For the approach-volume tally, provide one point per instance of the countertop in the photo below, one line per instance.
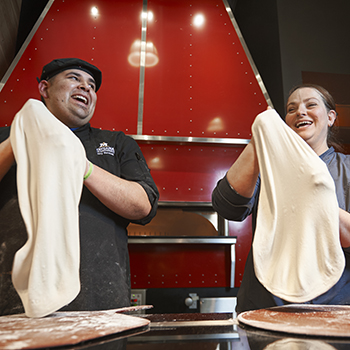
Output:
(210, 331)
(218, 332)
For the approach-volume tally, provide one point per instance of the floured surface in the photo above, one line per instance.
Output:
(63, 328)
(296, 248)
(299, 344)
(316, 320)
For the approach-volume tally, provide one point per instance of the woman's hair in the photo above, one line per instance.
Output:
(329, 103)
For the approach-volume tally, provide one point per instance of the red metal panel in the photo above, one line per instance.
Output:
(188, 172)
(203, 84)
(179, 265)
(70, 30)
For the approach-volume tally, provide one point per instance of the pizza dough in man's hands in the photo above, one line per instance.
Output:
(51, 163)
(296, 248)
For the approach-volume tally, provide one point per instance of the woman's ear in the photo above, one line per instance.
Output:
(332, 116)
(43, 86)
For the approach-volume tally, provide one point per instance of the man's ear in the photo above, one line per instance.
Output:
(43, 86)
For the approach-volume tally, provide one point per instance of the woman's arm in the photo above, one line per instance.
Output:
(237, 202)
(6, 157)
(244, 172)
(344, 228)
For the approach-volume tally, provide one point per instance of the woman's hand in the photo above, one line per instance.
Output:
(6, 157)
(243, 174)
(344, 228)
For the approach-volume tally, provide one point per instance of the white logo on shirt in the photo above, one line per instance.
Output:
(105, 149)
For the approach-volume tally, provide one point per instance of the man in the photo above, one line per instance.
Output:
(118, 189)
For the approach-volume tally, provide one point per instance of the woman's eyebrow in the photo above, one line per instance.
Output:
(291, 103)
(306, 100)
(311, 98)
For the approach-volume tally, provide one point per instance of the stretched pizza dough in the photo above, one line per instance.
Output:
(296, 249)
(50, 169)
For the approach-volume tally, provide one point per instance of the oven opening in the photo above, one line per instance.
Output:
(183, 261)
(183, 219)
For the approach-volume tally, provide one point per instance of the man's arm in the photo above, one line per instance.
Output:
(344, 228)
(126, 198)
(6, 157)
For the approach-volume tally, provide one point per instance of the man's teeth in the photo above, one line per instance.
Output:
(303, 124)
(81, 98)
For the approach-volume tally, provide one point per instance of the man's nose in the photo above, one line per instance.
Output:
(85, 86)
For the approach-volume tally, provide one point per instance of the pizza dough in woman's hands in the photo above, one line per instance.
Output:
(296, 248)
(51, 163)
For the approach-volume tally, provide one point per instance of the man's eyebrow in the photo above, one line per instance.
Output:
(91, 79)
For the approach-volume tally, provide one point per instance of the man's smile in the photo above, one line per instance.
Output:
(81, 98)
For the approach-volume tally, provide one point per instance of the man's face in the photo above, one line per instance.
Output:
(70, 96)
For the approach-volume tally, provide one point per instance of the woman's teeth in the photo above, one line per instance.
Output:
(303, 123)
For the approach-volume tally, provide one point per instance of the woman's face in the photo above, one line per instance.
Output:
(307, 115)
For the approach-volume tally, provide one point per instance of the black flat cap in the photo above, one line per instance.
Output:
(62, 64)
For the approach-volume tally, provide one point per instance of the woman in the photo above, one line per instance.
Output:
(311, 114)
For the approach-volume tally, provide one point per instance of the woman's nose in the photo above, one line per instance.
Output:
(301, 110)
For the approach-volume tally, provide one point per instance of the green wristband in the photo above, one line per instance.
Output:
(89, 171)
